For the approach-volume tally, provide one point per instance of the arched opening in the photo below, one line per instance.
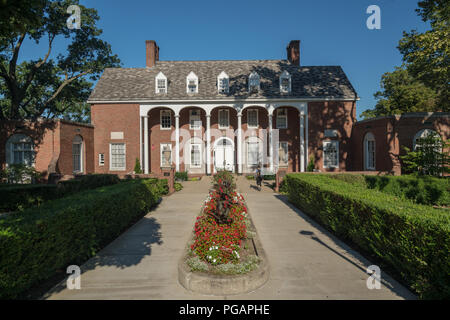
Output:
(20, 150)
(77, 154)
(369, 152)
(224, 154)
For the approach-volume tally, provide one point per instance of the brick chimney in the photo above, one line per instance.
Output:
(151, 53)
(293, 52)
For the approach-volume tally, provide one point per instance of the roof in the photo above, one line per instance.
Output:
(137, 84)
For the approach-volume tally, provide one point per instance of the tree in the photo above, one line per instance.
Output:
(430, 156)
(137, 166)
(428, 54)
(401, 93)
(49, 87)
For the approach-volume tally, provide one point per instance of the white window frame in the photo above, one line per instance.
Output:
(161, 122)
(23, 139)
(256, 142)
(195, 127)
(101, 159)
(248, 118)
(285, 75)
(81, 144)
(369, 137)
(228, 119)
(192, 77)
(336, 143)
(254, 81)
(111, 168)
(160, 76)
(287, 154)
(282, 116)
(223, 89)
(161, 145)
(200, 155)
(423, 133)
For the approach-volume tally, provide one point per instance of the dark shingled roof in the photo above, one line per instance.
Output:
(121, 84)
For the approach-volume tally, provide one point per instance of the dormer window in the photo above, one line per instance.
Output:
(192, 83)
(253, 82)
(161, 83)
(223, 82)
(285, 82)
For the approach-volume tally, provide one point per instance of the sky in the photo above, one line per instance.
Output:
(332, 32)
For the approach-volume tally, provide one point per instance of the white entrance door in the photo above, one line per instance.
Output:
(224, 155)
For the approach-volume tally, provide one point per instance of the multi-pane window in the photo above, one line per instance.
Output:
(224, 119)
(192, 86)
(252, 153)
(166, 119)
(166, 154)
(118, 156)
(223, 82)
(192, 83)
(194, 120)
(282, 118)
(330, 154)
(283, 156)
(161, 83)
(285, 82)
(101, 159)
(23, 153)
(369, 152)
(253, 82)
(252, 118)
(196, 155)
(77, 148)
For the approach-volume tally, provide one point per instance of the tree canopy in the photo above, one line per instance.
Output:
(53, 85)
(422, 83)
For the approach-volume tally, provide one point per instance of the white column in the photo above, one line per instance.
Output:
(146, 156)
(270, 144)
(208, 144)
(302, 142)
(141, 160)
(306, 136)
(239, 144)
(177, 142)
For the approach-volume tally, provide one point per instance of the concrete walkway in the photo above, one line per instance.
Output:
(306, 261)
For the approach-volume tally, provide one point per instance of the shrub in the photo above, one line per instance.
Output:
(181, 176)
(21, 196)
(357, 179)
(269, 177)
(20, 173)
(137, 166)
(310, 166)
(40, 241)
(85, 182)
(178, 186)
(412, 239)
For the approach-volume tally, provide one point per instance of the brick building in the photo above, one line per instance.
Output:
(203, 116)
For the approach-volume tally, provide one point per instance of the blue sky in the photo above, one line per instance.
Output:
(332, 32)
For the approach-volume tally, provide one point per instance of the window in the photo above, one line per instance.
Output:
(282, 118)
(192, 83)
(77, 154)
(161, 83)
(253, 82)
(224, 119)
(252, 118)
(166, 120)
(166, 154)
(330, 154)
(253, 153)
(20, 150)
(223, 82)
(369, 151)
(422, 134)
(101, 159)
(117, 156)
(283, 156)
(196, 155)
(194, 119)
(285, 82)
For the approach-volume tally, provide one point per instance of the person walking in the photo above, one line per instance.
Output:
(258, 177)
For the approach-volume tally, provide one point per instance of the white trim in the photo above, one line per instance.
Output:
(254, 76)
(221, 76)
(336, 142)
(199, 117)
(228, 118)
(81, 143)
(190, 155)
(146, 145)
(160, 119)
(161, 76)
(422, 134)
(111, 168)
(284, 116)
(101, 159)
(191, 76)
(285, 75)
(257, 118)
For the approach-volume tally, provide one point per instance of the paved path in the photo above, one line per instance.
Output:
(306, 262)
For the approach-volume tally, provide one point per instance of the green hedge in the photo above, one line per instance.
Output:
(39, 241)
(181, 175)
(22, 196)
(413, 240)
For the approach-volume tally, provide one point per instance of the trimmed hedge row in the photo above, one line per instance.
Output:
(37, 242)
(18, 197)
(412, 239)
